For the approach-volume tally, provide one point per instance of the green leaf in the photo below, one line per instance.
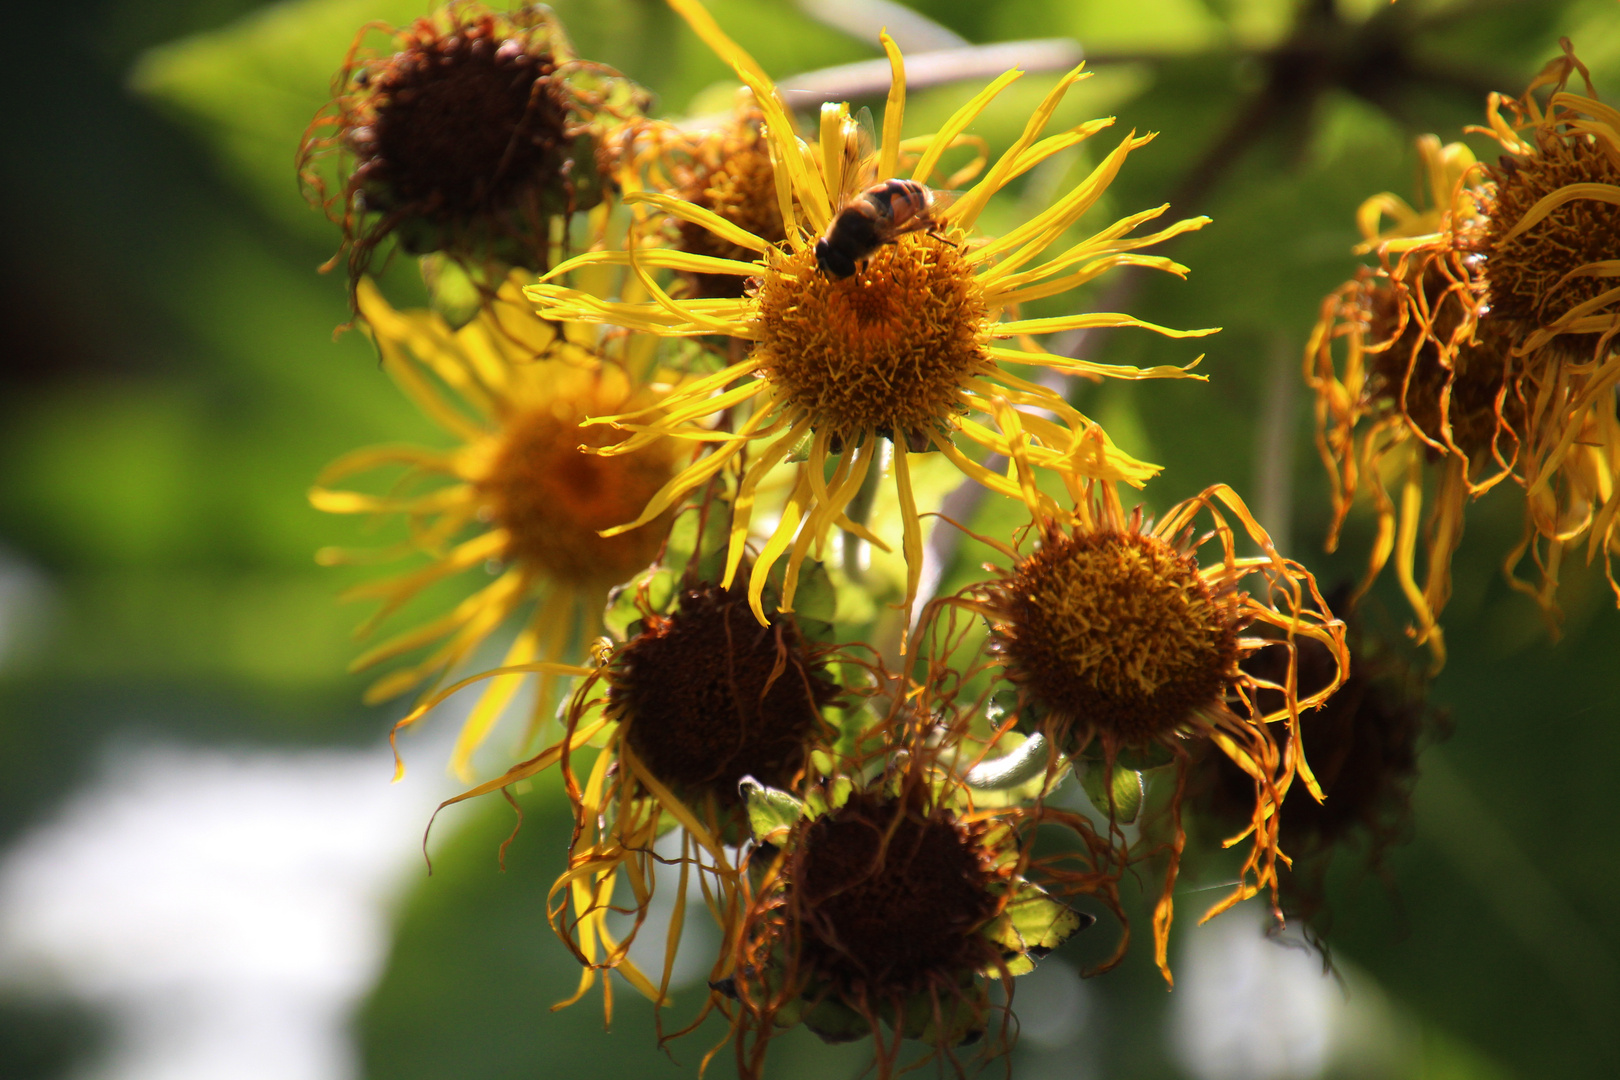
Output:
(835, 1022)
(453, 291)
(815, 602)
(623, 616)
(771, 813)
(1033, 924)
(816, 803)
(946, 1019)
(1125, 786)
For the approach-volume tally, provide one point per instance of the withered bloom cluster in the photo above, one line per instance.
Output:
(697, 461)
(1481, 350)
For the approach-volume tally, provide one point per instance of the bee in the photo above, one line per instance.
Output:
(870, 214)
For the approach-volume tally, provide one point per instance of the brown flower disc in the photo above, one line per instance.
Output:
(1410, 376)
(1115, 631)
(890, 905)
(461, 126)
(1530, 274)
(889, 349)
(709, 696)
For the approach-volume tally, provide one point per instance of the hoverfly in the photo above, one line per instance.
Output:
(867, 212)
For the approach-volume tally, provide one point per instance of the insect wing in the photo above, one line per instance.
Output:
(859, 170)
(940, 203)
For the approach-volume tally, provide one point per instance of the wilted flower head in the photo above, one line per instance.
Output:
(1483, 345)
(476, 132)
(707, 696)
(1123, 640)
(884, 911)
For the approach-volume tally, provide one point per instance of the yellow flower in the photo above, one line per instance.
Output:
(1123, 640)
(517, 493)
(1483, 345)
(699, 702)
(909, 350)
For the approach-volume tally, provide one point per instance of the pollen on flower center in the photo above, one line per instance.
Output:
(1530, 274)
(1117, 631)
(886, 350)
(709, 696)
(885, 904)
(552, 498)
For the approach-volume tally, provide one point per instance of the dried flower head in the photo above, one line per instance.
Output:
(884, 907)
(475, 133)
(697, 702)
(708, 696)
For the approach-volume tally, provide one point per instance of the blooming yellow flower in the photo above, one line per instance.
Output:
(907, 352)
(1123, 641)
(517, 493)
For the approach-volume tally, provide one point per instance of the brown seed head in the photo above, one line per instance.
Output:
(732, 176)
(1115, 631)
(466, 138)
(888, 896)
(709, 696)
(887, 350)
(1407, 372)
(1530, 275)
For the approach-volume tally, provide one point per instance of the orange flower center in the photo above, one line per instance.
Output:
(552, 498)
(888, 350)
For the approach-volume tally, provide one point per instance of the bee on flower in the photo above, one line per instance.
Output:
(891, 345)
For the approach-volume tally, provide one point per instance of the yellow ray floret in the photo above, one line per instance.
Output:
(516, 494)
